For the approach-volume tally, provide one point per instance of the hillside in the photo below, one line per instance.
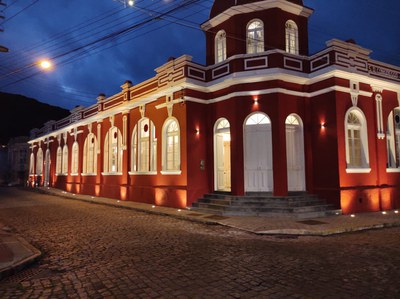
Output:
(20, 114)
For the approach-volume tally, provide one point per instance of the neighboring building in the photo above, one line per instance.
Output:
(18, 151)
(261, 116)
(3, 165)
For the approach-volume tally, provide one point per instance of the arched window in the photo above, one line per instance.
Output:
(292, 37)
(39, 162)
(89, 155)
(357, 155)
(144, 147)
(59, 160)
(171, 146)
(32, 164)
(220, 46)
(65, 160)
(255, 37)
(113, 151)
(75, 159)
(393, 139)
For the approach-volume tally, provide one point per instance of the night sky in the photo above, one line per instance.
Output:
(98, 44)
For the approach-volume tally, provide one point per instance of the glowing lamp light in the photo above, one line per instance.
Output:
(396, 212)
(352, 215)
(322, 125)
(197, 131)
(153, 207)
(179, 210)
(384, 213)
(131, 2)
(46, 64)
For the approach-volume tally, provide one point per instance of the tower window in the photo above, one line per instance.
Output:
(220, 46)
(255, 37)
(292, 37)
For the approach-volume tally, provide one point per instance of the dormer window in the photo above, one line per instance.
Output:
(292, 37)
(220, 46)
(255, 37)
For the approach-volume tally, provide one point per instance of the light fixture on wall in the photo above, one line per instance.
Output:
(255, 98)
(323, 125)
(197, 131)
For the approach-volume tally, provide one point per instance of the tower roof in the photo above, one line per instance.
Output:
(222, 5)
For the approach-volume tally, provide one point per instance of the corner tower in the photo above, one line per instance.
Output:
(238, 27)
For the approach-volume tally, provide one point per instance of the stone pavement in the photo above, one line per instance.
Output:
(16, 253)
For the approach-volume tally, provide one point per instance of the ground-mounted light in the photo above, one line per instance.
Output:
(352, 215)
(153, 207)
(179, 210)
(384, 213)
(396, 212)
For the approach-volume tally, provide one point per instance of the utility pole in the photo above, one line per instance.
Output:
(2, 5)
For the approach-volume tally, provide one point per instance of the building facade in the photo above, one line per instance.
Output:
(261, 116)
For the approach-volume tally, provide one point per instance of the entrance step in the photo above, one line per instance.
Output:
(299, 205)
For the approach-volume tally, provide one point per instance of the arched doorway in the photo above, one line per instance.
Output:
(295, 153)
(222, 155)
(258, 165)
(47, 163)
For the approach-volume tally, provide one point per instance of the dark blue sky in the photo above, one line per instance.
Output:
(91, 57)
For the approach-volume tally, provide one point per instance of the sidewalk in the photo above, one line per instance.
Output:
(16, 253)
(258, 225)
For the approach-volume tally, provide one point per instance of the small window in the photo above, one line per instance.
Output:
(32, 164)
(65, 160)
(292, 37)
(220, 46)
(356, 139)
(89, 155)
(255, 37)
(144, 147)
(75, 158)
(393, 139)
(258, 119)
(171, 146)
(39, 162)
(59, 161)
(113, 151)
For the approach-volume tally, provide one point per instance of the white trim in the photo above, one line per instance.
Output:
(74, 174)
(171, 172)
(89, 174)
(391, 170)
(226, 65)
(142, 172)
(358, 170)
(265, 65)
(257, 6)
(285, 59)
(111, 173)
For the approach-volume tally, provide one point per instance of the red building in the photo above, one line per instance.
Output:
(262, 116)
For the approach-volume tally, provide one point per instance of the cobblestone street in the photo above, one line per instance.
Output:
(97, 251)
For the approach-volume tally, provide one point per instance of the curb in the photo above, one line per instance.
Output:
(21, 264)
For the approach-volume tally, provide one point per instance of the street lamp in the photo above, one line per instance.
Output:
(45, 64)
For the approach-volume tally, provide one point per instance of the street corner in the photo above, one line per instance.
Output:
(15, 253)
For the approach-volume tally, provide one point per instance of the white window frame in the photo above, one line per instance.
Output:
(89, 166)
(393, 141)
(64, 168)
(75, 159)
(144, 148)
(59, 161)
(254, 44)
(220, 46)
(362, 127)
(292, 37)
(39, 161)
(32, 164)
(176, 148)
(113, 152)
